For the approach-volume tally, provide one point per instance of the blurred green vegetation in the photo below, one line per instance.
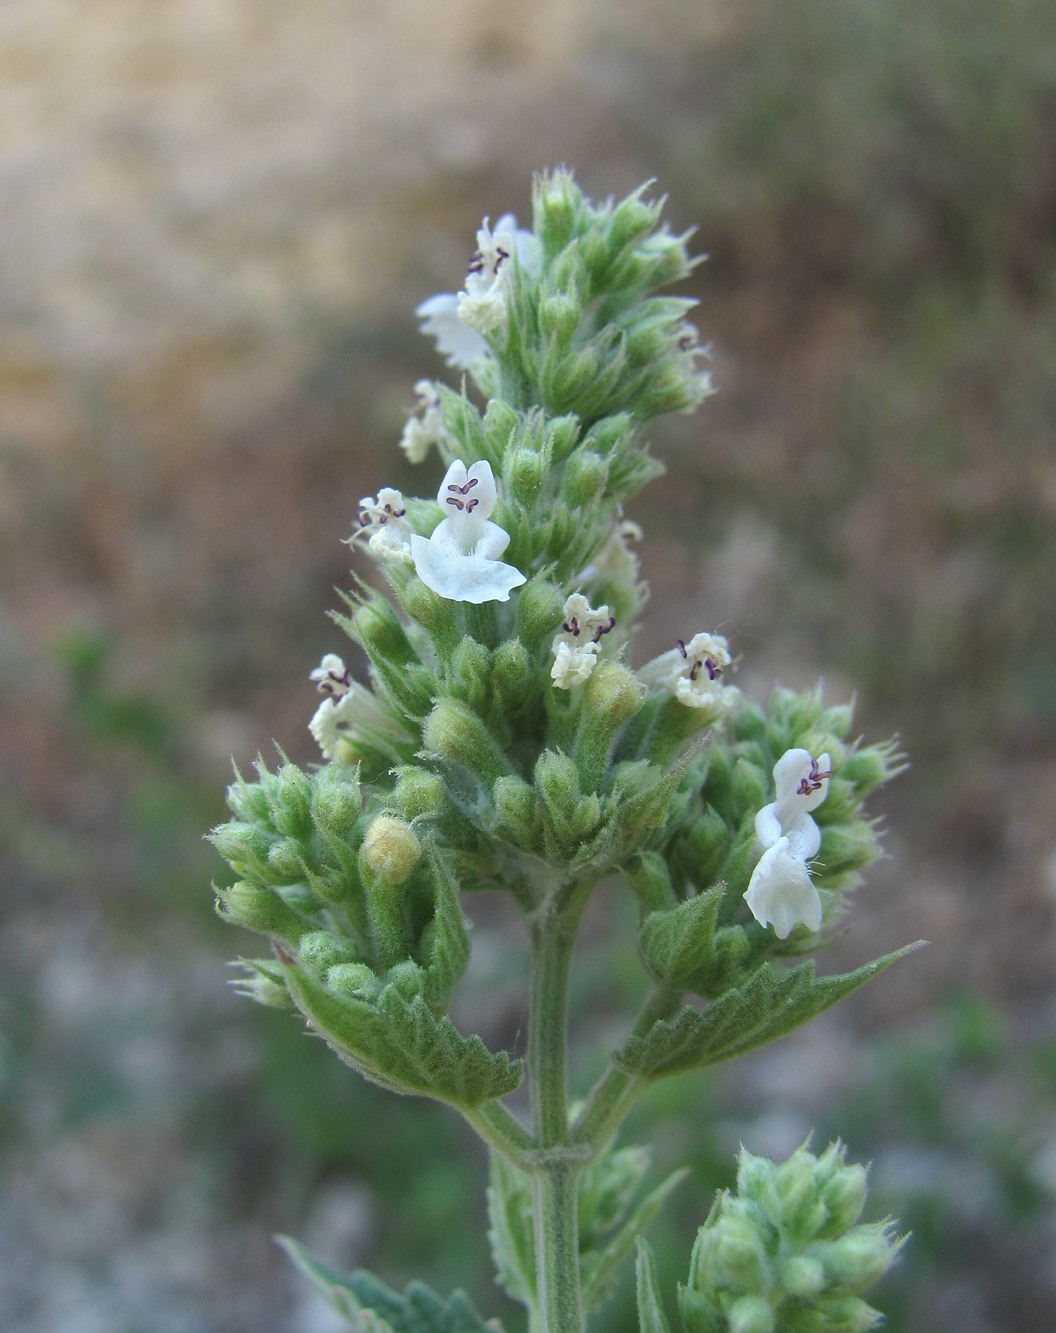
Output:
(876, 183)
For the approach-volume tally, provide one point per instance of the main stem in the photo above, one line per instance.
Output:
(555, 1174)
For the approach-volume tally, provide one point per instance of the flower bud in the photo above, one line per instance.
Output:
(291, 802)
(285, 863)
(539, 612)
(751, 1314)
(469, 673)
(613, 693)
(453, 732)
(585, 476)
(511, 672)
(557, 781)
(518, 807)
(860, 1258)
(650, 880)
(556, 208)
(378, 629)
(337, 802)
(525, 471)
(749, 785)
(356, 981)
(391, 849)
(258, 908)
(562, 434)
(559, 316)
(419, 792)
(802, 1276)
(502, 425)
(244, 847)
(320, 950)
(844, 1196)
(432, 612)
(739, 1258)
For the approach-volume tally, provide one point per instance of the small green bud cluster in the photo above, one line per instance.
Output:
(787, 1253)
(345, 895)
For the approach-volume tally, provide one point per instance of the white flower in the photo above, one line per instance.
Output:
(384, 522)
(802, 783)
(572, 666)
(781, 894)
(575, 646)
(354, 714)
(425, 425)
(460, 560)
(456, 342)
(693, 672)
(332, 718)
(459, 321)
(331, 676)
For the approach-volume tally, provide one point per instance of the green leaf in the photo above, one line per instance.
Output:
(510, 1232)
(678, 945)
(398, 1042)
(769, 1005)
(372, 1307)
(651, 1317)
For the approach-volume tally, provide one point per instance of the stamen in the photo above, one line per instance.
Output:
(463, 490)
(812, 782)
(571, 626)
(682, 649)
(603, 629)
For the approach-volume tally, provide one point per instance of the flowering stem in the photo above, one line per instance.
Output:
(555, 1172)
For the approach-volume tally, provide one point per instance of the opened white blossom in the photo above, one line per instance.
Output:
(383, 521)
(459, 320)
(572, 665)
(802, 783)
(460, 560)
(780, 892)
(331, 676)
(345, 717)
(332, 720)
(424, 428)
(456, 342)
(575, 646)
(693, 672)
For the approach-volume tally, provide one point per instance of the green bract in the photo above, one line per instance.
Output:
(507, 736)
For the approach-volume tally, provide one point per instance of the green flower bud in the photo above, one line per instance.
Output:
(557, 206)
(557, 781)
(320, 949)
(469, 673)
(261, 985)
(751, 1314)
(337, 802)
(802, 1276)
(258, 908)
(356, 981)
(859, 1259)
(562, 435)
(738, 1259)
(518, 807)
(419, 793)
(584, 481)
(502, 425)
(613, 693)
(511, 672)
(525, 471)
(291, 805)
(844, 848)
(539, 612)
(378, 629)
(244, 847)
(390, 849)
(285, 863)
(407, 978)
(870, 767)
(455, 733)
(432, 612)
(650, 879)
(844, 1196)
(559, 316)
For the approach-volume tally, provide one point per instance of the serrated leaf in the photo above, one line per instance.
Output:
(651, 1317)
(510, 1230)
(769, 1005)
(372, 1307)
(398, 1042)
(677, 945)
(598, 1270)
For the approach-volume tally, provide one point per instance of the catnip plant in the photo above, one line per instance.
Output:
(504, 739)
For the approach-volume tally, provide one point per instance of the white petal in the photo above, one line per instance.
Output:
(767, 825)
(791, 771)
(780, 892)
(572, 665)
(455, 341)
(465, 577)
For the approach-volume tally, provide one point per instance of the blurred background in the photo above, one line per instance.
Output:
(218, 216)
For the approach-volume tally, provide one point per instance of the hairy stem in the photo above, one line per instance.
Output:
(555, 1173)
